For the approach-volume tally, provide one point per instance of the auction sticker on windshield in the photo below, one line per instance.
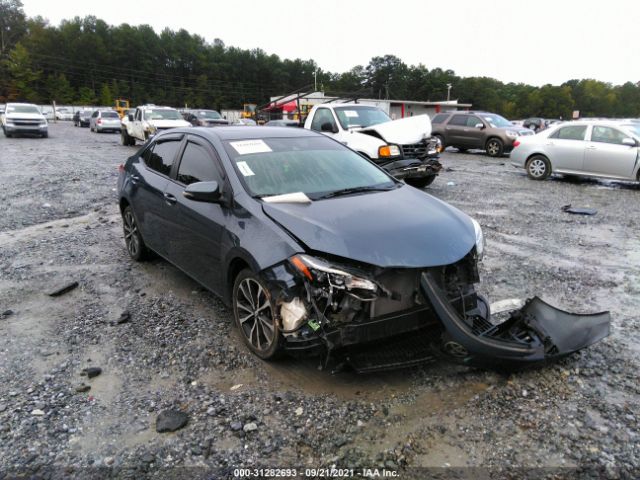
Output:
(351, 113)
(245, 169)
(246, 147)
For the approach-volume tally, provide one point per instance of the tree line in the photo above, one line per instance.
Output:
(86, 61)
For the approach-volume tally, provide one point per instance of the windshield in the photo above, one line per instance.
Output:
(313, 166)
(354, 116)
(633, 128)
(110, 115)
(164, 114)
(23, 109)
(211, 114)
(497, 121)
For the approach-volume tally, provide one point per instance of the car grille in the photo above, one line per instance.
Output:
(415, 150)
(24, 122)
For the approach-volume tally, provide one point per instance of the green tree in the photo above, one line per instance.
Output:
(22, 77)
(106, 97)
(13, 24)
(86, 96)
(59, 89)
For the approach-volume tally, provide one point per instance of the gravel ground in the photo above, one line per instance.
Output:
(176, 349)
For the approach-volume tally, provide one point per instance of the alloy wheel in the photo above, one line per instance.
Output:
(493, 148)
(254, 314)
(131, 235)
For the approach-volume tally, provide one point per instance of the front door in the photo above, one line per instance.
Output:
(605, 154)
(194, 229)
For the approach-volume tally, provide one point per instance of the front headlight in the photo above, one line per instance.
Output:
(320, 271)
(386, 151)
(479, 238)
(512, 134)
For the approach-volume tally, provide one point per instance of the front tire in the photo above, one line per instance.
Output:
(421, 182)
(254, 315)
(494, 147)
(538, 167)
(136, 247)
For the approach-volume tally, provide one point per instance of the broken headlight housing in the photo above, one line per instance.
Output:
(479, 238)
(320, 271)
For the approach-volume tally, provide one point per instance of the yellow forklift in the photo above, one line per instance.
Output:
(122, 106)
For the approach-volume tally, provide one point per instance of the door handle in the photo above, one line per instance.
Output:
(591, 147)
(170, 199)
(135, 179)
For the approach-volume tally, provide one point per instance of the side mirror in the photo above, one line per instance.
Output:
(629, 142)
(479, 125)
(130, 117)
(329, 127)
(203, 192)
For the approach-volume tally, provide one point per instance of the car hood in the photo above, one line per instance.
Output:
(404, 131)
(169, 123)
(25, 116)
(404, 227)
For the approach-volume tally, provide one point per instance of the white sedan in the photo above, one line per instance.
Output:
(591, 148)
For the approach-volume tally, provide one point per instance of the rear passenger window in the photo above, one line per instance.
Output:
(574, 132)
(161, 155)
(196, 165)
(440, 118)
(458, 120)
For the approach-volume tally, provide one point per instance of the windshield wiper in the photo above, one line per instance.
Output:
(349, 191)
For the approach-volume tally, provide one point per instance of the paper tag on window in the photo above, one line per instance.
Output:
(246, 147)
(351, 113)
(245, 169)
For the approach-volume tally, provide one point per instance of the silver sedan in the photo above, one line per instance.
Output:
(590, 148)
(105, 120)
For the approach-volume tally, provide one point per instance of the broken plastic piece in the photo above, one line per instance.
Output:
(293, 313)
(65, 289)
(535, 333)
(579, 210)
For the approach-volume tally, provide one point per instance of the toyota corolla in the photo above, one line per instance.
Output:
(319, 251)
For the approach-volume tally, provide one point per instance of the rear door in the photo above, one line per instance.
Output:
(150, 178)
(605, 154)
(565, 148)
(454, 131)
(195, 229)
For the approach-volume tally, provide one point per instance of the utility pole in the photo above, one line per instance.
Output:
(315, 80)
(448, 91)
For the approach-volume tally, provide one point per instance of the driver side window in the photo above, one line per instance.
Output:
(323, 115)
(607, 135)
(138, 114)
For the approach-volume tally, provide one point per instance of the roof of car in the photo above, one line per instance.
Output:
(247, 132)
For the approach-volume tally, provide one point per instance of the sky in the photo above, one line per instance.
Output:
(535, 42)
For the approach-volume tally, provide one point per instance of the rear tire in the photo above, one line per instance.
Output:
(255, 317)
(421, 182)
(494, 147)
(538, 167)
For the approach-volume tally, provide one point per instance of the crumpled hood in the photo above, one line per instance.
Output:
(169, 123)
(404, 131)
(404, 227)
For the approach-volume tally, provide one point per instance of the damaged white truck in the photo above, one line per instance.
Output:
(404, 148)
(147, 121)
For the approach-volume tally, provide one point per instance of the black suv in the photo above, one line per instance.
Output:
(479, 130)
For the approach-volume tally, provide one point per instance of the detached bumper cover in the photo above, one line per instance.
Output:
(537, 332)
(413, 168)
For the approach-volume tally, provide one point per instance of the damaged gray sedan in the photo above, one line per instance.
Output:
(321, 252)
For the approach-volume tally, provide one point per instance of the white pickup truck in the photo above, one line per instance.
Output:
(147, 121)
(404, 148)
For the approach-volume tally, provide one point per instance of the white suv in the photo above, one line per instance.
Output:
(24, 118)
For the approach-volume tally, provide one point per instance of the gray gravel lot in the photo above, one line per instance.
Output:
(178, 350)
